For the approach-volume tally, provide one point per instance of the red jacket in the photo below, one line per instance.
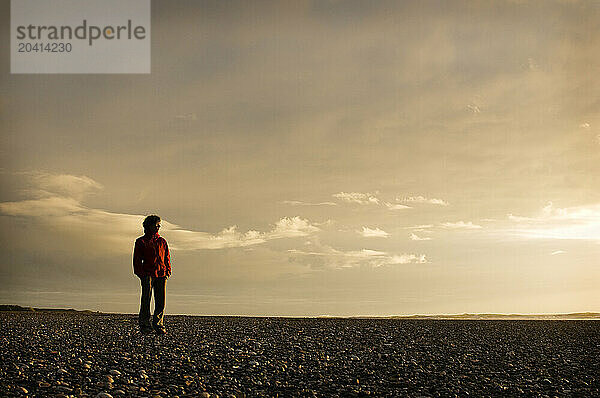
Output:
(151, 256)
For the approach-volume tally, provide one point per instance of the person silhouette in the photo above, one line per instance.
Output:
(152, 264)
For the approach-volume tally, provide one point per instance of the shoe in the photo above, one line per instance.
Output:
(160, 331)
(146, 330)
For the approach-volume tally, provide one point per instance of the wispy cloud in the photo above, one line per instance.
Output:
(68, 214)
(460, 225)
(324, 256)
(59, 210)
(532, 64)
(368, 199)
(415, 237)
(512, 217)
(373, 233)
(473, 108)
(292, 227)
(578, 222)
(558, 252)
(300, 203)
(357, 197)
(41, 184)
(396, 206)
(422, 199)
(230, 237)
(420, 227)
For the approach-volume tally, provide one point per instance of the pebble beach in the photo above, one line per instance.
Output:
(78, 354)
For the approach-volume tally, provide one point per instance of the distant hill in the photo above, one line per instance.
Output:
(570, 316)
(5, 307)
(9, 307)
(574, 315)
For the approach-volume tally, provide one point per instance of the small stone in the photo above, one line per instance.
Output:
(204, 394)
(23, 390)
(43, 384)
(118, 393)
(109, 379)
(115, 372)
(103, 395)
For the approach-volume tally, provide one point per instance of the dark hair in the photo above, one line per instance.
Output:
(150, 221)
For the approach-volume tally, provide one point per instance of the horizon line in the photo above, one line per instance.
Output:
(561, 315)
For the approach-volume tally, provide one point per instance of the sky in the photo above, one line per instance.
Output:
(316, 158)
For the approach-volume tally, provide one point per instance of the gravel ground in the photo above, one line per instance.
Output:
(103, 355)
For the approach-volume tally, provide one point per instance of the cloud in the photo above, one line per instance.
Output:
(324, 256)
(473, 108)
(577, 222)
(460, 225)
(56, 203)
(367, 199)
(181, 239)
(54, 206)
(532, 65)
(357, 197)
(299, 203)
(408, 259)
(70, 216)
(42, 184)
(557, 252)
(286, 227)
(393, 206)
(422, 199)
(292, 227)
(586, 126)
(68, 213)
(373, 233)
(512, 217)
(415, 237)
(420, 227)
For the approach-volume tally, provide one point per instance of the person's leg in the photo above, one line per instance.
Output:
(160, 290)
(144, 317)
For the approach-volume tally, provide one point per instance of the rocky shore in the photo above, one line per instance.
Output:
(78, 354)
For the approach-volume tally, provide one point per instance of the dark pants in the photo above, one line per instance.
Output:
(159, 285)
